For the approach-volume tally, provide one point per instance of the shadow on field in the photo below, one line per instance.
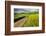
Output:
(15, 20)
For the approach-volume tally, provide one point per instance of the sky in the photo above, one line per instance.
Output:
(24, 10)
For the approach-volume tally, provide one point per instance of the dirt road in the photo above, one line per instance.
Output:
(20, 22)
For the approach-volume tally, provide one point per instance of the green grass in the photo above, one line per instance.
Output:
(32, 19)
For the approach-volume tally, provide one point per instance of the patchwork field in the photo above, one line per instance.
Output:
(30, 20)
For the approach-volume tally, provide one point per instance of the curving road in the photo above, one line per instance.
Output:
(20, 22)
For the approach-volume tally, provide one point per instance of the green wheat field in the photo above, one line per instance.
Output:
(30, 19)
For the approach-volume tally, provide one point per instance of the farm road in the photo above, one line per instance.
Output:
(20, 22)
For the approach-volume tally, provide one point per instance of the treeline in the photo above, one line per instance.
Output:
(27, 13)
